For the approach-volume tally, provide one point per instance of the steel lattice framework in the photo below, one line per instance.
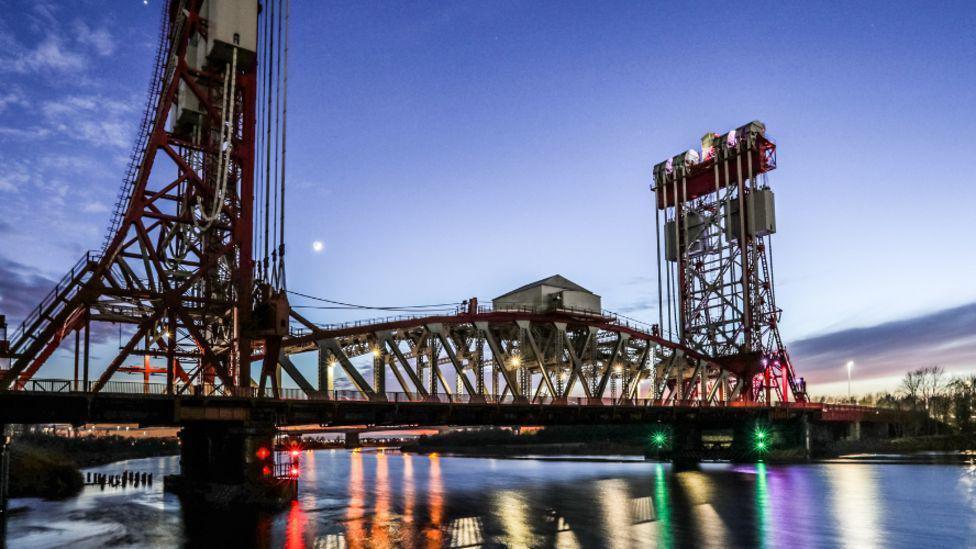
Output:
(509, 354)
(177, 264)
(718, 294)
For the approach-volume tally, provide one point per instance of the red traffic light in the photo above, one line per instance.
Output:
(266, 471)
(262, 453)
(294, 471)
(295, 452)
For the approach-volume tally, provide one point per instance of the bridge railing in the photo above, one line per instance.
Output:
(606, 315)
(341, 395)
(52, 302)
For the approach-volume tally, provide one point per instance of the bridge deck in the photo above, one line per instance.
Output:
(56, 401)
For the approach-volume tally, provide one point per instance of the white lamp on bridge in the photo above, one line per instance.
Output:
(850, 368)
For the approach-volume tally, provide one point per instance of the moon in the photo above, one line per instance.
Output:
(317, 246)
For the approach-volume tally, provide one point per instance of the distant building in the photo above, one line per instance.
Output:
(549, 294)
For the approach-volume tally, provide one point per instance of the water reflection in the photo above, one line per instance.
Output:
(435, 502)
(381, 499)
(698, 490)
(762, 504)
(856, 505)
(662, 506)
(510, 509)
(408, 501)
(295, 531)
(380, 531)
(355, 508)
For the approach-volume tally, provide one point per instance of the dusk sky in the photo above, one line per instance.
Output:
(445, 150)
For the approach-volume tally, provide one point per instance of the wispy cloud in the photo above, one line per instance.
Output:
(94, 207)
(21, 288)
(95, 119)
(12, 97)
(97, 39)
(946, 338)
(50, 54)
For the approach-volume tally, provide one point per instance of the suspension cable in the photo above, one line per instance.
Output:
(284, 138)
(383, 308)
(267, 144)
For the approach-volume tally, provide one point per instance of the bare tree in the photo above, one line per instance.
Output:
(911, 385)
(933, 383)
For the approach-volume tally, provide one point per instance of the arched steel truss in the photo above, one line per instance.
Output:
(507, 355)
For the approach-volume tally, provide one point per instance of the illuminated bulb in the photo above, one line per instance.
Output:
(318, 246)
(516, 361)
(376, 352)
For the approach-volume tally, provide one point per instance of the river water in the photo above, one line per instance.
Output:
(385, 498)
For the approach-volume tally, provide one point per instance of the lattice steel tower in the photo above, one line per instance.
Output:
(715, 268)
(180, 266)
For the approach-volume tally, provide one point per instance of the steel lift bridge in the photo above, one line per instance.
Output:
(193, 270)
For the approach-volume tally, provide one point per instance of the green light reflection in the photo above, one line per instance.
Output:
(662, 505)
(762, 504)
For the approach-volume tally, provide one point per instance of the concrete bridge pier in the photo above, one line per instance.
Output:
(351, 439)
(686, 445)
(230, 464)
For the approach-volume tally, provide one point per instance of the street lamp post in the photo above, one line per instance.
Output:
(850, 366)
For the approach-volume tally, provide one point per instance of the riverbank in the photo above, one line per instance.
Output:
(50, 466)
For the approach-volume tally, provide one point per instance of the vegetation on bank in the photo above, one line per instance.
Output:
(49, 466)
(39, 472)
(949, 401)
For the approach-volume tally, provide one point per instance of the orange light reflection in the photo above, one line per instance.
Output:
(380, 530)
(356, 535)
(409, 530)
(435, 502)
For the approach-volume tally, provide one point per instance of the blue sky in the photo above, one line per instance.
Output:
(444, 150)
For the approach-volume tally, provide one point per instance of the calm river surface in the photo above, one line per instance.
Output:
(380, 499)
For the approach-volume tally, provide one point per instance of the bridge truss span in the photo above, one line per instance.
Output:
(508, 355)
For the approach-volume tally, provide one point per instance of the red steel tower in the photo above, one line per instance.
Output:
(715, 278)
(177, 269)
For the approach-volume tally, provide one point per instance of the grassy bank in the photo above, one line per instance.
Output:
(49, 466)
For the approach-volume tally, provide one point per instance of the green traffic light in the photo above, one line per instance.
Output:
(761, 446)
(760, 434)
(659, 439)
